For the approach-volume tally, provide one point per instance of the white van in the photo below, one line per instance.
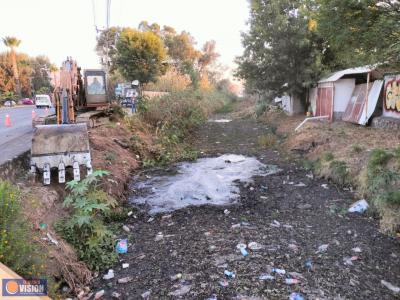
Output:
(43, 101)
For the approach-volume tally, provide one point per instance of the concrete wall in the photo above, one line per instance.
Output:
(343, 90)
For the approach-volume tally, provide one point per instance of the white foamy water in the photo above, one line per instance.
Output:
(206, 181)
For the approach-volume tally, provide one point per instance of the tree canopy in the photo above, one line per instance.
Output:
(140, 55)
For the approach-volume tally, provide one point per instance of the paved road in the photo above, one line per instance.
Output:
(16, 139)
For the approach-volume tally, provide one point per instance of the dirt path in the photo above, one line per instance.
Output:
(200, 242)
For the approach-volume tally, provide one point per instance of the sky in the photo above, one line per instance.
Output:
(61, 28)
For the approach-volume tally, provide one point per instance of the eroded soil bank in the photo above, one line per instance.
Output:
(289, 215)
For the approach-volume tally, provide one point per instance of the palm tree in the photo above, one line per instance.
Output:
(12, 43)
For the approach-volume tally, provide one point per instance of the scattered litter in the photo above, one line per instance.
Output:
(234, 226)
(391, 287)
(124, 266)
(322, 248)
(230, 274)
(264, 197)
(207, 233)
(288, 226)
(224, 283)
(151, 219)
(265, 188)
(311, 176)
(245, 223)
(276, 224)
(126, 228)
(240, 246)
(176, 277)
(244, 252)
(130, 213)
(54, 241)
(290, 281)
(296, 275)
(325, 186)
(226, 212)
(42, 226)
(266, 277)
(220, 121)
(359, 206)
(115, 295)
(213, 297)
(99, 294)
(304, 206)
(349, 260)
(309, 265)
(181, 291)
(293, 247)
(279, 271)
(251, 188)
(296, 296)
(122, 246)
(357, 249)
(125, 279)
(109, 275)
(159, 237)
(166, 217)
(146, 294)
(300, 184)
(254, 246)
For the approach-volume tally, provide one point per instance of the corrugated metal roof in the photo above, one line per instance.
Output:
(337, 75)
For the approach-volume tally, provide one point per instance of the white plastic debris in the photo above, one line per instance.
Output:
(126, 228)
(241, 246)
(146, 295)
(325, 186)
(99, 294)
(176, 277)
(359, 206)
(393, 288)
(125, 279)
(109, 275)
(124, 266)
(130, 213)
(234, 226)
(54, 241)
(322, 248)
(159, 237)
(254, 246)
(266, 277)
(226, 212)
(181, 291)
(115, 295)
(300, 184)
(356, 249)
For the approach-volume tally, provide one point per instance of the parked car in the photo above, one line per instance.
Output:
(43, 101)
(10, 103)
(27, 101)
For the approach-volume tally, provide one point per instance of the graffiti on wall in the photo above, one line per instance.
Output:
(392, 95)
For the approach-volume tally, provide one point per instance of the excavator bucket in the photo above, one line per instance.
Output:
(60, 146)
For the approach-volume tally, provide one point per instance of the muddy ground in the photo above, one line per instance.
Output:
(200, 242)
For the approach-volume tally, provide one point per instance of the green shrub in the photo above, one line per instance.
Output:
(339, 172)
(378, 158)
(328, 156)
(17, 248)
(85, 229)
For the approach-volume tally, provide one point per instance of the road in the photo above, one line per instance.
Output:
(17, 139)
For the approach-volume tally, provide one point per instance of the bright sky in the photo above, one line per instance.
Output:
(61, 28)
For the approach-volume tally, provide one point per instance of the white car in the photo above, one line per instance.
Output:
(43, 101)
(10, 103)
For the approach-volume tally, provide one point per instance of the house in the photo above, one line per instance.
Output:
(350, 95)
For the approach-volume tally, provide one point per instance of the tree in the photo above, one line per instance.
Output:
(41, 67)
(208, 55)
(106, 46)
(140, 55)
(360, 32)
(280, 52)
(12, 43)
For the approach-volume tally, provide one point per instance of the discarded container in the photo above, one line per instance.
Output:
(109, 275)
(226, 212)
(230, 274)
(279, 271)
(291, 281)
(240, 246)
(176, 276)
(124, 266)
(393, 288)
(359, 206)
(122, 246)
(296, 296)
(309, 265)
(244, 252)
(126, 228)
(266, 277)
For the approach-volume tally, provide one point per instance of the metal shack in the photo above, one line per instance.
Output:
(348, 94)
